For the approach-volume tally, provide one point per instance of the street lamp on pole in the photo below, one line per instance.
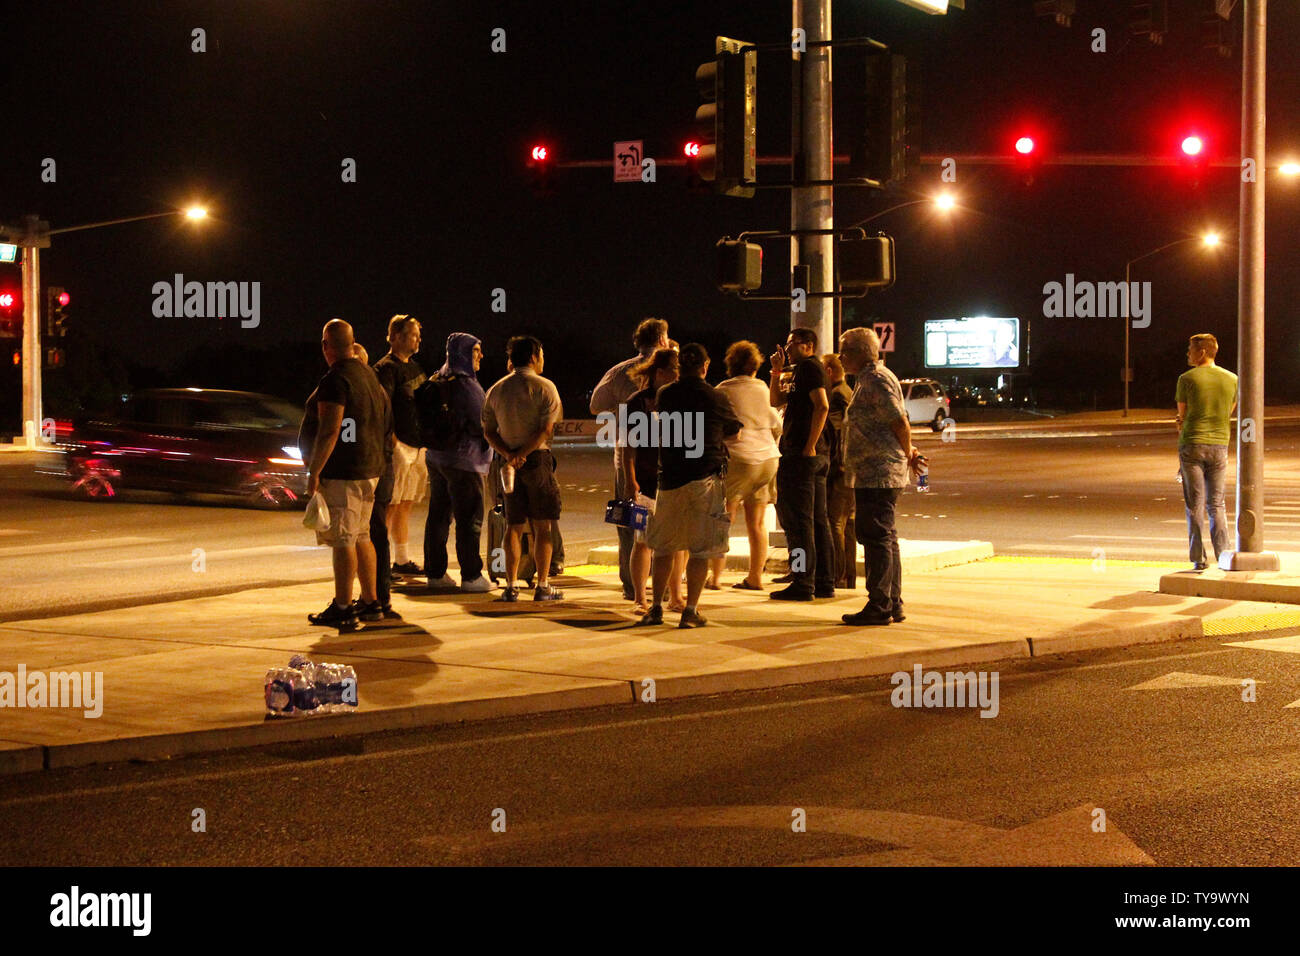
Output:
(1208, 239)
(944, 202)
(33, 236)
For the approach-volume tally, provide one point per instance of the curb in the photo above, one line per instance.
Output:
(1260, 588)
(1153, 633)
(23, 758)
(299, 729)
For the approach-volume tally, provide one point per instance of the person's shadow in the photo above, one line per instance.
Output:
(393, 660)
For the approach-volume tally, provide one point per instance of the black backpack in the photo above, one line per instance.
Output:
(434, 403)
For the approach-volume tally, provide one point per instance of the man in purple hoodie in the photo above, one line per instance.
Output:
(458, 457)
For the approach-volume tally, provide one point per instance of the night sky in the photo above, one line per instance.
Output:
(442, 211)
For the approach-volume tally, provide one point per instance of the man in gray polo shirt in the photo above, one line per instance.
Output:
(519, 416)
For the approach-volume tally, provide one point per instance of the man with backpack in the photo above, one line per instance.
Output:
(450, 406)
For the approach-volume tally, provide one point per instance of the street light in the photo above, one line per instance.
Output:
(1289, 169)
(1209, 239)
(944, 202)
(34, 236)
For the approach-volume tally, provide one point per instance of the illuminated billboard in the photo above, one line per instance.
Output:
(978, 342)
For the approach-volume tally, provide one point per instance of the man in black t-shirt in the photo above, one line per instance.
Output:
(801, 474)
(347, 427)
(690, 512)
(400, 375)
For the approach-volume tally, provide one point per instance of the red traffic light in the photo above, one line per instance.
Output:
(692, 150)
(539, 154)
(64, 298)
(1192, 145)
(8, 300)
(1025, 145)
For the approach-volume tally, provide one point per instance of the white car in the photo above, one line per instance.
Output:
(926, 401)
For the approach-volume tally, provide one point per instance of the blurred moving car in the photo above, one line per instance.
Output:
(192, 440)
(926, 401)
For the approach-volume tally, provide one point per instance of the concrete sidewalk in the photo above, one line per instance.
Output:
(186, 677)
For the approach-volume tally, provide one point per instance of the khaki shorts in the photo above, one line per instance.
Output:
(691, 518)
(410, 474)
(751, 482)
(350, 504)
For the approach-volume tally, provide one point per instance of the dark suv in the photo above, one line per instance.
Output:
(192, 440)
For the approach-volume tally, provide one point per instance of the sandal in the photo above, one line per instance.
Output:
(746, 586)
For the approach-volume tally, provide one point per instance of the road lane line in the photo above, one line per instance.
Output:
(83, 544)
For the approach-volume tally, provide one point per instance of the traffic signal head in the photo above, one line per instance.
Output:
(1192, 145)
(56, 318)
(882, 118)
(724, 150)
(740, 265)
(1027, 154)
(11, 312)
(540, 167)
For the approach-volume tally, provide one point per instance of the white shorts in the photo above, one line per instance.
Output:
(691, 518)
(410, 474)
(350, 504)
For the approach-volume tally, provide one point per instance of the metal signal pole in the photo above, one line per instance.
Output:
(813, 207)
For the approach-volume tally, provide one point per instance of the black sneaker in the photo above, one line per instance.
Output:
(653, 616)
(897, 613)
(783, 579)
(407, 567)
(369, 610)
(867, 616)
(824, 593)
(792, 593)
(335, 616)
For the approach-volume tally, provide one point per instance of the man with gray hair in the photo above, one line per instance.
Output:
(877, 454)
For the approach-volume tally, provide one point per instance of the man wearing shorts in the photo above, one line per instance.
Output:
(400, 375)
(519, 416)
(347, 425)
(691, 504)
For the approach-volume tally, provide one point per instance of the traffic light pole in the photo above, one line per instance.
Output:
(812, 210)
(1250, 554)
(32, 347)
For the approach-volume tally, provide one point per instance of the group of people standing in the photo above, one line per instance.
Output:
(833, 459)
(823, 452)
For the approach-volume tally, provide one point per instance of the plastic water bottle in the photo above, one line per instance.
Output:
(304, 688)
(922, 473)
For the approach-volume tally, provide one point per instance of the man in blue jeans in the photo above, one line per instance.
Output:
(1206, 397)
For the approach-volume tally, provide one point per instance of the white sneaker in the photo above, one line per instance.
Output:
(479, 585)
(446, 583)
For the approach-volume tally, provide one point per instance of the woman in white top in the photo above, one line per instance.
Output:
(751, 468)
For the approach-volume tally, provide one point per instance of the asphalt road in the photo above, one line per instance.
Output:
(1184, 770)
(1062, 491)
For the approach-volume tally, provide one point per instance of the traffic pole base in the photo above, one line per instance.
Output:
(1249, 561)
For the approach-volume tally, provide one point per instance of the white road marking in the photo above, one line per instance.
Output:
(1181, 680)
(184, 555)
(81, 544)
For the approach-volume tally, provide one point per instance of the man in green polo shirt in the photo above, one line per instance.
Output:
(1206, 397)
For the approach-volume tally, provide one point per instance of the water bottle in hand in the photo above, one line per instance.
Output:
(922, 473)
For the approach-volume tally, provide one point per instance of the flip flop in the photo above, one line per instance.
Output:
(746, 586)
